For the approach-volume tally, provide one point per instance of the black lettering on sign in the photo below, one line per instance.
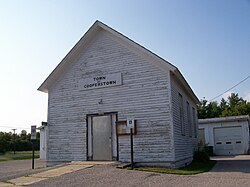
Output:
(102, 81)
(99, 78)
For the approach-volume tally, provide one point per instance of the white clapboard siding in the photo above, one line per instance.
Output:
(144, 95)
(184, 145)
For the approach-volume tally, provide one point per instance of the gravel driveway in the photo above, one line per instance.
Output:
(16, 168)
(229, 171)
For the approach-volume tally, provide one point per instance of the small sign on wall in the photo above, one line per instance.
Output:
(131, 123)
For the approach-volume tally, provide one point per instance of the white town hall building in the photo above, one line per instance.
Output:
(105, 79)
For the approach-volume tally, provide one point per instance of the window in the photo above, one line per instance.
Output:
(181, 114)
(189, 120)
(194, 123)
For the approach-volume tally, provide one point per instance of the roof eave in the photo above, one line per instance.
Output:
(69, 58)
(186, 86)
(44, 87)
(136, 45)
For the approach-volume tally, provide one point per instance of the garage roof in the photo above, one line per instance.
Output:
(224, 119)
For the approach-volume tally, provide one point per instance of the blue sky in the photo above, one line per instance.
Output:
(209, 41)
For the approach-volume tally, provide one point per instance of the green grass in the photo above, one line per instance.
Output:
(193, 168)
(19, 155)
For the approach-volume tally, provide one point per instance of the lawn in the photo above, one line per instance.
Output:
(19, 155)
(193, 168)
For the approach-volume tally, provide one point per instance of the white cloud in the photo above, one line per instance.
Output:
(227, 94)
(247, 97)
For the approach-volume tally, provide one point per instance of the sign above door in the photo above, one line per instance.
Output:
(101, 81)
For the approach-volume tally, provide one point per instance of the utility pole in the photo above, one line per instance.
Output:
(14, 146)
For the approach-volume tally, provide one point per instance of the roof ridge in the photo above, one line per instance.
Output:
(153, 53)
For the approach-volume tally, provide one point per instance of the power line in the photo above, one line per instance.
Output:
(14, 127)
(7, 126)
(231, 88)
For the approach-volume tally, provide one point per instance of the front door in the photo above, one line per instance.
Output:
(101, 129)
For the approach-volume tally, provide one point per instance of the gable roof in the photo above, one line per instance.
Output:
(83, 42)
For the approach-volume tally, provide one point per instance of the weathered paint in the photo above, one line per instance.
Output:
(184, 143)
(149, 94)
(142, 95)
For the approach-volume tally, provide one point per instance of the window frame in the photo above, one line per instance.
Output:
(181, 113)
(194, 122)
(189, 123)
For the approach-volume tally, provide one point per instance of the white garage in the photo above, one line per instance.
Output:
(227, 135)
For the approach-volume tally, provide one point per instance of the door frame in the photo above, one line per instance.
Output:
(90, 158)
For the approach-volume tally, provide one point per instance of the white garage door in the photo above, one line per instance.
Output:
(228, 141)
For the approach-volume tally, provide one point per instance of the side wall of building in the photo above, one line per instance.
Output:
(185, 123)
(143, 95)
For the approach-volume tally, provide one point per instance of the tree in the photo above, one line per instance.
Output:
(23, 135)
(213, 110)
(202, 109)
(236, 106)
(22, 142)
(5, 139)
(233, 106)
(223, 105)
(208, 110)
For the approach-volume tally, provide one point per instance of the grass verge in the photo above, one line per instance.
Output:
(11, 153)
(20, 155)
(17, 158)
(193, 168)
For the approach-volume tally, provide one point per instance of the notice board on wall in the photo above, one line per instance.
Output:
(123, 129)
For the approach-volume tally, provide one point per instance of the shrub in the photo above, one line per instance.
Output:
(209, 150)
(201, 156)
